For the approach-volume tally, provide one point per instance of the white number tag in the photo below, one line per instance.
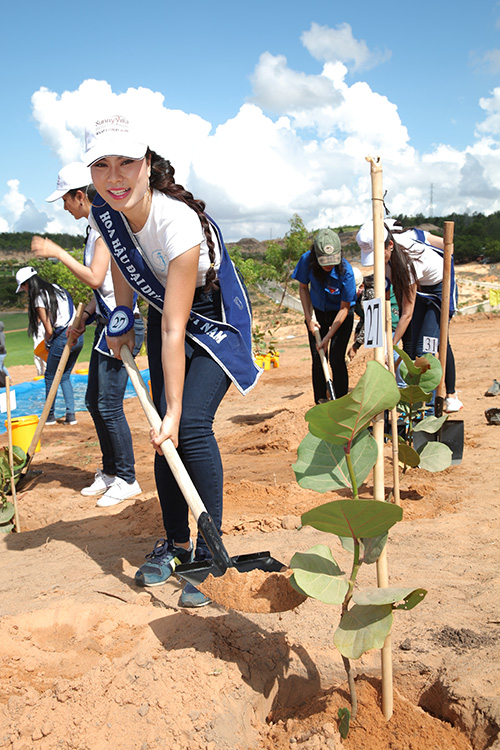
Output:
(374, 324)
(430, 344)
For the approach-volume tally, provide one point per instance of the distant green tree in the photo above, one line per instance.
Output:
(57, 273)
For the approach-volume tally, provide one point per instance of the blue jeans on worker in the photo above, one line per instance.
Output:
(107, 381)
(57, 344)
(336, 354)
(426, 321)
(205, 385)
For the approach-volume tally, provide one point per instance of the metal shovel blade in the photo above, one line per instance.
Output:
(451, 434)
(196, 572)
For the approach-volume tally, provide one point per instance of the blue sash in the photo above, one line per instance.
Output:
(229, 342)
(105, 311)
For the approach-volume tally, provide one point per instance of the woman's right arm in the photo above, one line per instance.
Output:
(307, 306)
(92, 275)
(406, 314)
(45, 320)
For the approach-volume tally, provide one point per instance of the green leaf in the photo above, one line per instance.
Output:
(317, 574)
(390, 595)
(341, 420)
(408, 455)
(413, 394)
(363, 628)
(345, 716)
(430, 424)
(409, 371)
(7, 511)
(322, 466)
(431, 378)
(435, 456)
(6, 528)
(355, 518)
(372, 548)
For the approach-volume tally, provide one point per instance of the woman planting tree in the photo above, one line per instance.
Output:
(165, 247)
(414, 266)
(328, 295)
(53, 306)
(107, 379)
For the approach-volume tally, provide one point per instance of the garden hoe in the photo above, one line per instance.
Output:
(196, 572)
(26, 475)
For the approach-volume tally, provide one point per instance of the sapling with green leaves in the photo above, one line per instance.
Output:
(7, 509)
(422, 376)
(340, 452)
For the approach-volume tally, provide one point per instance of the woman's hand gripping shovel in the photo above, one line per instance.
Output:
(324, 364)
(196, 573)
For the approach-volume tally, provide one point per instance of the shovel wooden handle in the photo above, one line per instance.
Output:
(55, 385)
(324, 363)
(178, 469)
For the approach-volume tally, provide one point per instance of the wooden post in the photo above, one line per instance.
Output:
(378, 422)
(394, 412)
(11, 456)
(445, 315)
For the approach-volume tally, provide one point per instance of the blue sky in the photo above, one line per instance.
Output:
(265, 108)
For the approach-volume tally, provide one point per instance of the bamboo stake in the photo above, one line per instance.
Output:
(378, 422)
(394, 412)
(11, 456)
(445, 314)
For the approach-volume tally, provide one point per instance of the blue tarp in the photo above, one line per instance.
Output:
(30, 397)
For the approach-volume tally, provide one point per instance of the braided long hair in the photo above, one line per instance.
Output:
(38, 287)
(162, 179)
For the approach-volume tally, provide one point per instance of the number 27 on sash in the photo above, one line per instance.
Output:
(374, 325)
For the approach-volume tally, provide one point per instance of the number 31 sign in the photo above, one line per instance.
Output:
(374, 323)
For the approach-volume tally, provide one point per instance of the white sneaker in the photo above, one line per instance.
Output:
(101, 483)
(119, 491)
(452, 404)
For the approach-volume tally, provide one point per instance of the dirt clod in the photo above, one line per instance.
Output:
(254, 591)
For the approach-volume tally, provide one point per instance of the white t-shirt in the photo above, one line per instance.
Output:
(427, 262)
(171, 229)
(64, 317)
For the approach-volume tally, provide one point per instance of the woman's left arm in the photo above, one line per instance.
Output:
(45, 320)
(337, 322)
(435, 240)
(179, 293)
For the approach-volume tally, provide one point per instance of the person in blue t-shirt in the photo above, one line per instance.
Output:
(328, 295)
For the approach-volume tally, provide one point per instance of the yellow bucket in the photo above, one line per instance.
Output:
(23, 430)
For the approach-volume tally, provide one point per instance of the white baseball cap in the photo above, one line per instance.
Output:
(112, 136)
(23, 275)
(70, 177)
(358, 276)
(364, 238)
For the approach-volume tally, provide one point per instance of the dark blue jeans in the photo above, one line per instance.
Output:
(426, 321)
(55, 351)
(204, 388)
(104, 399)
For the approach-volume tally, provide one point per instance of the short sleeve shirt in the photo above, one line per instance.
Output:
(327, 295)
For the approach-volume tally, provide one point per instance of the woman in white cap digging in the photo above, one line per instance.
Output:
(414, 267)
(107, 378)
(52, 306)
(328, 295)
(166, 248)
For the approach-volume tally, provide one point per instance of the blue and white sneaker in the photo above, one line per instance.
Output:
(192, 597)
(162, 562)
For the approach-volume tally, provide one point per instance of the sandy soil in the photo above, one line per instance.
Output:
(88, 661)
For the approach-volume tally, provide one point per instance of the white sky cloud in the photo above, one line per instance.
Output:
(298, 146)
(339, 45)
